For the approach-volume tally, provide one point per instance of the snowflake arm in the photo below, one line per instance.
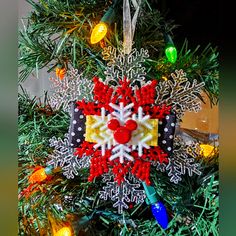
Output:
(143, 144)
(70, 89)
(181, 162)
(122, 194)
(142, 119)
(74, 165)
(180, 93)
(63, 156)
(139, 140)
(121, 151)
(174, 173)
(104, 139)
(120, 65)
(105, 142)
(100, 120)
(121, 112)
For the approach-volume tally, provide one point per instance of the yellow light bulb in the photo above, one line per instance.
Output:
(207, 150)
(38, 176)
(98, 33)
(65, 231)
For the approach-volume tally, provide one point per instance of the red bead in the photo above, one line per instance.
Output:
(122, 135)
(131, 125)
(113, 124)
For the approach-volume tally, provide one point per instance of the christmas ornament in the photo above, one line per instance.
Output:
(126, 124)
(127, 136)
(125, 129)
(157, 207)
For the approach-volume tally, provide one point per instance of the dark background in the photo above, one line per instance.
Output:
(198, 20)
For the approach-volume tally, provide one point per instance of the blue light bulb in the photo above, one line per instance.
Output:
(160, 214)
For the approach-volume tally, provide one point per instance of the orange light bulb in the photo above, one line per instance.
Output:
(207, 150)
(60, 73)
(98, 33)
(65, 231)
(38, 176)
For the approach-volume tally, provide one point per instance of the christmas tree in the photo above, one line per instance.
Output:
(105, 152)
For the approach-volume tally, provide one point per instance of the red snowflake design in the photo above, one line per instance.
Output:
(144, 98)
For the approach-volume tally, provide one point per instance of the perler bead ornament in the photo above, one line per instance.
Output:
(121, 130)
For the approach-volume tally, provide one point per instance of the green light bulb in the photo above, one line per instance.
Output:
(171, 53)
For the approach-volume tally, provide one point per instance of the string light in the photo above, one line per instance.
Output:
(157, 207)
(159, 212)
(60, 72)
(58, 227)
(40, 174)
(100, 30)
(65, 231)
(164, 78)
(170, 49)
(207, 150)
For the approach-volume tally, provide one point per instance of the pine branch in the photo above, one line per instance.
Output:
(57, 33)
(192, 205)
(202, 66)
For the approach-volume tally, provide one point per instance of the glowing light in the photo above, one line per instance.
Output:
(38, 176)
(60, 73)
(160, 214)
(98, 33)
(207, 150)
(157, 207)
(65, 231)
(171, 53)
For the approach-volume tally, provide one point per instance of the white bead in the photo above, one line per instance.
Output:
(171, 136)
(164, 141)
(73, 134)
(78, 140)
(81, 116)
(159, 135)
(76, 109)
(173, 124)
(74, 122)
(160, 122)
(167, 117)
(165, 129)
(169, 148)
(79, 129)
